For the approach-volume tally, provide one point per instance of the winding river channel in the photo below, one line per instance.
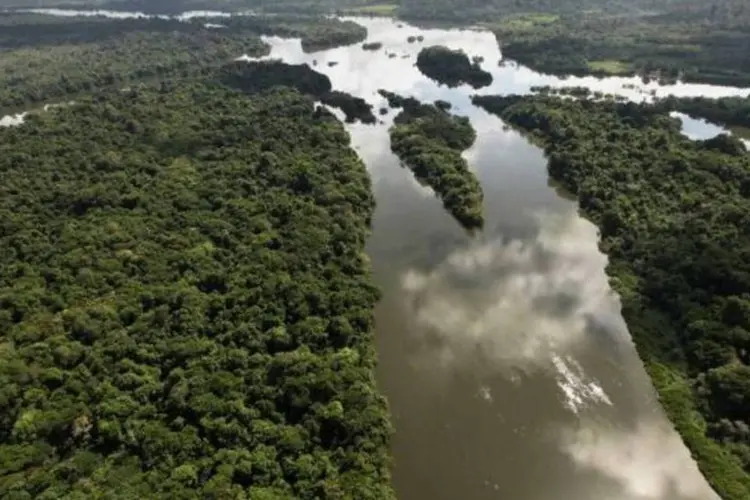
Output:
(509, 371)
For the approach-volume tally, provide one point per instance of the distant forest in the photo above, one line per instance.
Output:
(42, 55)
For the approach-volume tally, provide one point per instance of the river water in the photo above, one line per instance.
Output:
(509, 371)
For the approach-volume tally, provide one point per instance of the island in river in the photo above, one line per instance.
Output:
(674, 216)
(451, 67)
(429, 140)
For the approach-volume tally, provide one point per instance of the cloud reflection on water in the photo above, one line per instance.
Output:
(515, 303)
(649, 462)
(536, 306)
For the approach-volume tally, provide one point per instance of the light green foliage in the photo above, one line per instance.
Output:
(609, 67)
(674, 216)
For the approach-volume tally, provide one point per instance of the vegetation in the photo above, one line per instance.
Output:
(361, 7)
(42, 55)
(674, 216)
(666, 47)
(317, 33)
(451, 67)
(42, 62)
(372, 46)
(430, 141)
(354, 108)
(376, 9)
(185, 303)
(728, 12)
(728, 111)
(258, 76)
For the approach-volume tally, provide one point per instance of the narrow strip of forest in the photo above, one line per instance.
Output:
(674, 216)
(429, 140)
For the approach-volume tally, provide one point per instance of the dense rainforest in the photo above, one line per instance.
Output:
(44, 59)
(258, 76)
(451, 67)
(429, 141)
(187, 313)
(674, 217)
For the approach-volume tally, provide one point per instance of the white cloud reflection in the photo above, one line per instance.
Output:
(648, 462)
(514, 303)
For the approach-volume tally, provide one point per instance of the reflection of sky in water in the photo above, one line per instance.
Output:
(699, 129)
(524, 308)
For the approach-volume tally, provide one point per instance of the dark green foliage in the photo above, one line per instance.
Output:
(293, 7)
(47, 60)
(317, 32)
(258, 76)
(444, 105)
(661, 47)
(674, 216)
(355, 108)
(729, 111)
(430, 141)
(451, 67)
(185, 304)
(719, 12)
(399, 101)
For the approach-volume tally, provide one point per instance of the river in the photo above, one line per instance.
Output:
(509, 371)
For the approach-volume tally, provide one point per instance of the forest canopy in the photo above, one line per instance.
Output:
(187, 313)
(677, 44)
(44, 58)
(451, 67)
(258, 76)
(429, 141)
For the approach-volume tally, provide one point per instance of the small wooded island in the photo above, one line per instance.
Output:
(451, 67)
(674, 216)
(430, 141)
